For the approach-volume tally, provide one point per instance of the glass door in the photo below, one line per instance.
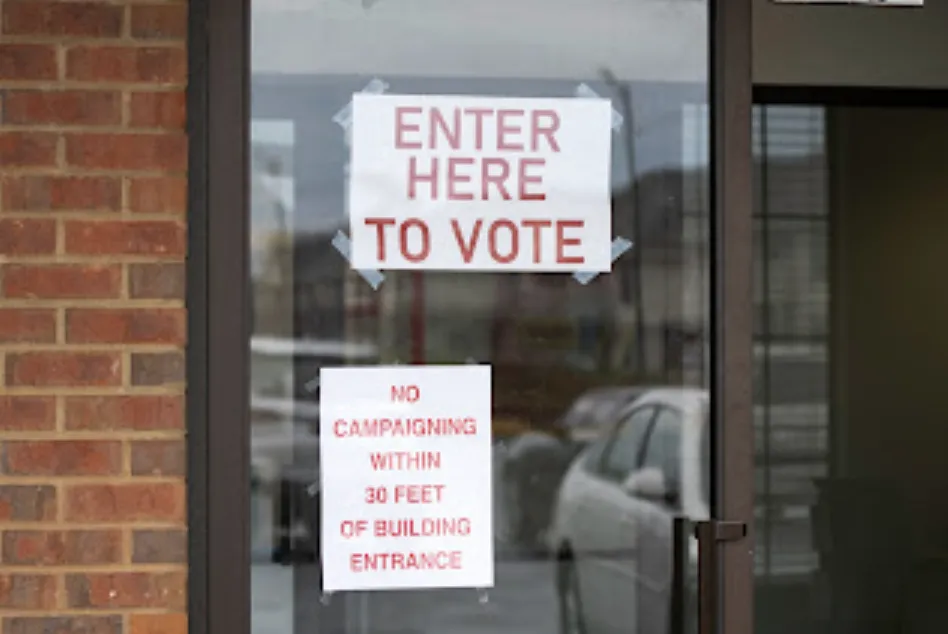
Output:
(596, 450)
(850, 349)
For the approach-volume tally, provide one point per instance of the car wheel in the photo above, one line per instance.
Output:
(572, 620)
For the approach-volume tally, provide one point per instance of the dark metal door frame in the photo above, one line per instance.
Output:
(726, 556)
(218, 416)
(219, 316)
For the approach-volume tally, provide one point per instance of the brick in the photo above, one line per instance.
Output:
(128, 325)
(27, 413)
(27, 236)
(62, 107)
(157, 502)
(165, 590)
(24, 325)
(63, 369)
(19, 62)
(63, 281)
(59, 548)
(155, 369)
(165, 280)
(127, 151)
(90, 19)
(62, 458)
(161, 195)
(174, 623)
(158, 110)
(160, 547)
(124, 413)
(27, 503)
(27, 149)
(58, 193)
(27, 592)
(63, 625)
(160, 21)
(153, 65)
(158, 458)
(153, 237)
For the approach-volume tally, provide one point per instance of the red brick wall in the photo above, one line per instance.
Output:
(92, 322)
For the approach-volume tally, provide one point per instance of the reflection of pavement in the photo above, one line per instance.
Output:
(286, 599)
(522, 602)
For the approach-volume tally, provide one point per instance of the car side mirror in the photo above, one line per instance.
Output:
(649, 484)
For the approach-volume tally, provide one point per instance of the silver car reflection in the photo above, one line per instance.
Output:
(612, 529)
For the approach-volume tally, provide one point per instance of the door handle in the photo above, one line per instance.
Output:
(710, 535)
(678, 618)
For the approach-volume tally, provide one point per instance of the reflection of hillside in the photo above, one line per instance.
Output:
(529, 318)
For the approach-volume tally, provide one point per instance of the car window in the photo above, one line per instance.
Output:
(624, 451)
(663, 450)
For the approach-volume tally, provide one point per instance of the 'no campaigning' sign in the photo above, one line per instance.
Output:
(480, 183)
(405, 458)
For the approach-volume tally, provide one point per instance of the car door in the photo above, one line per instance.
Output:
(654, 518)
(611, 569)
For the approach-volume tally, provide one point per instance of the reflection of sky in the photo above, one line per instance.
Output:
(637, 39)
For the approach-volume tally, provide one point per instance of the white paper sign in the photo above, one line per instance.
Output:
(477, 183)
(405, 457)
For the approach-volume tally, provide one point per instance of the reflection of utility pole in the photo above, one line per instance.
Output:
(282, 251)
(628, 128)
(417, 317)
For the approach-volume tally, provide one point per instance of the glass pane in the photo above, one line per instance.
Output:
(851, 358)
(791, 415)
(563, 533)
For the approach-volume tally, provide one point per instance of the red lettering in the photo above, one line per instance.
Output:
(419, 493)
(504, 249)
(409, 393)
(467, 250)
(479, 114)
(415, 128)
(353, 528)
(506, 130)
(414, 177)
(562, 242)
(537, 226)
(493, 173)
(526, 179)
(514, 241)
(437, 560)
(498, 180)
(454, 178)
(380, 224)
(438, 122)
(425, 249)
(547, 130)
(401, 127)
(339, 429)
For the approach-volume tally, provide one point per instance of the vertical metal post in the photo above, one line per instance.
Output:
(728, 567)
(679, 593)
(417, 318)
(712, 536)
